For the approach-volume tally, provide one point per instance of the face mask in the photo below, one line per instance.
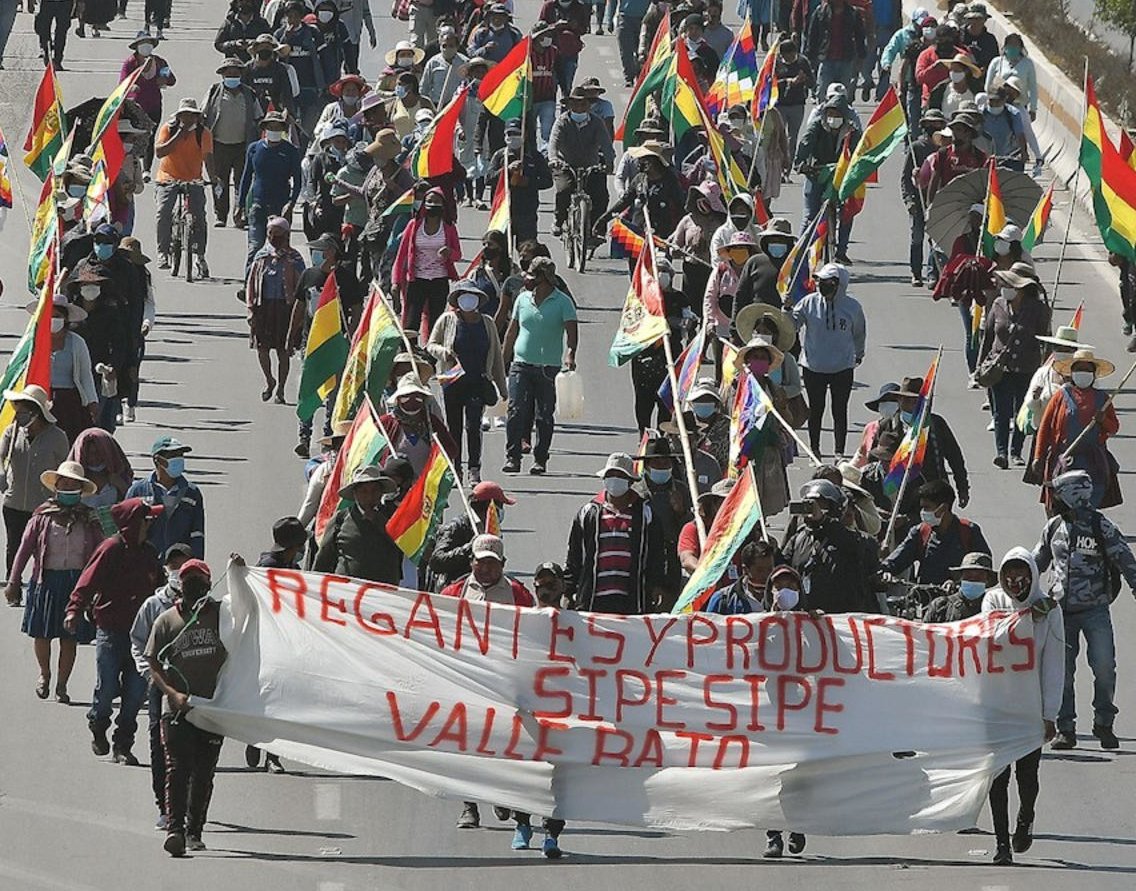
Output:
(231, 83)
(68, 499)
(334, 153)
(77, 191)
(833, 123)
(828, 288)
(317, 258)
(758, 367)
(468, 302)
(1001, 248)
(957, 77)
(997, 109)
(1083, 379)
(703, 410)
(90, 292)
(579, 116)
(264, 55)
(1008, 293)
(907, 417)
(325, 15)
(616, 486)
(1018, 587)
(448, 52)
(175, 467)
(514, 143)
(777, 250)
(24, 418)
(144, 50)
(659, 476)
(103, 251)
(404, 61)
(433, 211)
(57, 325)
(665, 279)
(929, 517)
(972, 590)
(173, 579)
(400, 91)
(740, 221)
(273, 135)
(350, 99)
(545, 42)
(928, 33)
(1013, 53)
(888, 409)
(785, 598)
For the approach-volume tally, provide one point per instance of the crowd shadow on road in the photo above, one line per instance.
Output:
(238, 829)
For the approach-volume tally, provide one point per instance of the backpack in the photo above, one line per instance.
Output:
(966, 535)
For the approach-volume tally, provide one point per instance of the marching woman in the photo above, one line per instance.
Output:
(60, 538)
(74, 399)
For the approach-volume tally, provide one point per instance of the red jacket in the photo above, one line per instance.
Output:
(521, 595)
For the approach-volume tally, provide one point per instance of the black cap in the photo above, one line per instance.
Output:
(179, 548)
(548, 566)
(288, 532)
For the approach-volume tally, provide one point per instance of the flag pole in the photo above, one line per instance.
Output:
(684, 436)
(907, 469)
(1073, 188)
(457, 480)
(1093, 423)
(760, 511)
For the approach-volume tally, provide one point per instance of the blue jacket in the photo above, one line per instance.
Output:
(272, 174)
(183, 523)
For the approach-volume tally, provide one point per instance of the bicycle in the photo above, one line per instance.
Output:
(577, 233)
(183, 232)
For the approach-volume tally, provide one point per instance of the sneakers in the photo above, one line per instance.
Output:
(538, 469)
(202, 268)
(511, 467)
(474, 476)
(551, 848)
(272, 764)
(175, 844)
(916, 281)
(1107, 738)
(1002, 856)
(844, 260)
(163, 261)
(1127, 325)
(774, 847)
(163, 823)
(100, 745)
(522, 835)
(1001, 462)
(1022, 839)
(1017, 461)
(194, 843)
(128, 414)
(219, 224)
(470, 817)
(303, 450)
(865, 93)
(125, 756)
(796, 842)
(1063, 741)
(557, 229)
(502, 813)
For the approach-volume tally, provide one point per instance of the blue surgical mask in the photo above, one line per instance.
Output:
(777, 249)
(659, 475)
(579, 116)
(231, 82)
(400, 91)
(972, 590)
(908, 417)
(1012, 53)
(703, 410)
(317, 258)
(103, 251)
(175, 467)
(929, 517)
(77, 190)
(616, 486)
(68, 499)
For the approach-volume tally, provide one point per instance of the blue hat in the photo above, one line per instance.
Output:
(167, 445)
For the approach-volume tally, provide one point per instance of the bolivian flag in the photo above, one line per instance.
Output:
(30, 362)
(434, 155)
(1039, 220)
(994, 217)
(644, 320)
(365, 444)
(48, 125)
(326, 352)
(507, 88)
(5, 181)
(652, 77)
(739, 514)
(404, 206)
(1113, 181)
(885, 130)
(376, 342)
(104, 133)
(499, 212)
(412, 525)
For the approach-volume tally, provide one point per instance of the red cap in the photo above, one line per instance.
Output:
(195, 565)
(490, 491)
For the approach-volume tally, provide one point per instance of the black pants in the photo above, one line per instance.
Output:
(157, 754)
(424, 295)
(818, 384)
(463, 409)
(191, 760)
(1025, 770)
(229, 164)
(351, 57)
(551, 826)
(51, 23)
(15, 522)
(157, 13)
(596, 187)
(648, 371)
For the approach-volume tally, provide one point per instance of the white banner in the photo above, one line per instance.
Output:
(842, 725)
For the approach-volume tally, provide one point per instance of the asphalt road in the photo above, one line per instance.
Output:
(71, 821)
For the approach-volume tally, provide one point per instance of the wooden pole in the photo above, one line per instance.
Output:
(457, 482)
(1072, 190)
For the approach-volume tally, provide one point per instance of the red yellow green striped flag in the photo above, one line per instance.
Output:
(506, 89)
(652, 77)
(994, 217)
(492, 520)
(1112, 180)
(48, 125)
(1127, 148)
(499, 212)
(30, 362)
(374, 345)
(104, 132)
(412, 525)
(736, 519)
(326, 352)
(365, 444)
(5, 181)
(434, 155)
(96, 203)
(404, 205)
(886, 129)
(1039, 220)
(643, 321)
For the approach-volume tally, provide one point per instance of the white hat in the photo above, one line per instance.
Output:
(71, 470)
(36, 395)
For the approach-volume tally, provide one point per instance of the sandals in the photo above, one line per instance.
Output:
(61, 694)
(41, 686)
(266, 393)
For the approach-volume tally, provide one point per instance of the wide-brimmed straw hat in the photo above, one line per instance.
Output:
(1065, 364)
(961, 59)
(384, 147)
(404, 46)
(339, 430)
(750, 316)
(1066, 336)
(1020, 275)
(652, 148)
(71, 470)
(36, 395)
(368, 474)
(75, 313)
(761, 342)
(620, 463)
(409, 385)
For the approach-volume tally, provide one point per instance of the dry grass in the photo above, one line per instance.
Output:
(1067, 45)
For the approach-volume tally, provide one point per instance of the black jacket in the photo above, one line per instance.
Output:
(453, 553)
(819, 33)
(832, 562)
(360, 548)
(952, 608)
(756, 284)
(943, 451)
(647, 562)
(232, 34)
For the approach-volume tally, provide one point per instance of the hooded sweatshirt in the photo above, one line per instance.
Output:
(120, 575)
(1048, 630)
(728, 230)
(833, 332)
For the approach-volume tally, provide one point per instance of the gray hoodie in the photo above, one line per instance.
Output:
(1048, 630)
(833, 332)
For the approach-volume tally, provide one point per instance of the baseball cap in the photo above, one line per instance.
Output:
(488, 546)
(487, 490)
(549, 566)
(167, 445)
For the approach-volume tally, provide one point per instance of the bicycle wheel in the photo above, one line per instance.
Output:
(175, 240)
(584, 232)
(570, 235)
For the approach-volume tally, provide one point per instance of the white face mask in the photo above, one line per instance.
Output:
(958, 77)
(996, 109)
(1083, 379)
(929, 517)
(90, 292)
(785, 598)
(616, 486)
(1001, 248)
(57, 324)
(468, 302)
(173, 579)
(274, 135)
(664, 280)
(888, 409)
(325, 15)
(145, 49)
(833, 123)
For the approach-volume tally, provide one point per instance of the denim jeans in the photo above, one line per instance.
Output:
(1005, 399)
(116, 675)
(154, 698)
(565, 69)
(532, 398)
(605, 13)
(545, 117)
(814, 197)
(794, 116)
(835, 71)
(1095, 623)
(306, 427)
(463, 410)
(970, 343)
(627, 33)
(110, 407)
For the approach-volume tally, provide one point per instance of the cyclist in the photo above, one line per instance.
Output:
(579, 140)
(184, 147)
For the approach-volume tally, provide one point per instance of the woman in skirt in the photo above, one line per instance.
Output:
(60, 538)
(74, 399)
(270, 291)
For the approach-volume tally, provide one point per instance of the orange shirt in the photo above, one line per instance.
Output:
(185, 160)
